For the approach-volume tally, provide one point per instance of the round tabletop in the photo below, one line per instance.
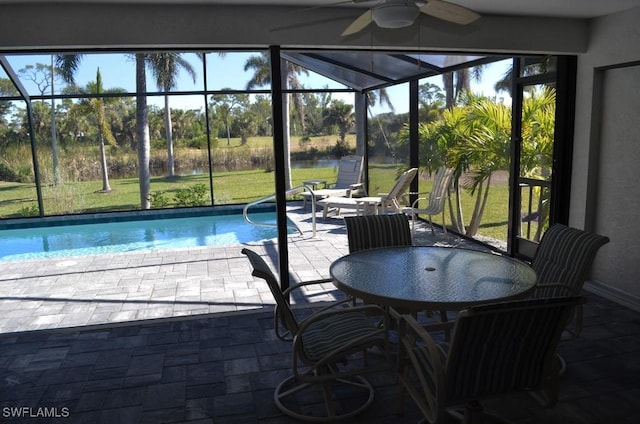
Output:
(431, 278)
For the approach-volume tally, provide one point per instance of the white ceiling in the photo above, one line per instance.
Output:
(549, 8)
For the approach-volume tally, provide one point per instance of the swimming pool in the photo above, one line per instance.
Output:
(131, 236)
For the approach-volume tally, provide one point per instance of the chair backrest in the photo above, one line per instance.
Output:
(440, 190)
(349, 171)
(565, 255)
(402, 186)
(403, 183)
(283, 310)
(372, 231)
(505, 347)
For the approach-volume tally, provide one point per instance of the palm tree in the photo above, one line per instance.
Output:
(382, 96)
(68, 65)
(341, 115)
(165, 68)
(486, 149)
(96, 106)
(533, 66)
(536, 159)
(260, 64)
(142, 131)
(436, 140)
(458, 82)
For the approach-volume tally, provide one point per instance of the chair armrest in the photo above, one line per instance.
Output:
(574, 324)
(414, 205)
(553, 290)
(303, 284)
(419, 353)
(356, 187)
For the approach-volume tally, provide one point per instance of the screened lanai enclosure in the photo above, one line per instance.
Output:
(110, 131)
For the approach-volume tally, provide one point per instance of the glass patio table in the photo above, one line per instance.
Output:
(419, 278)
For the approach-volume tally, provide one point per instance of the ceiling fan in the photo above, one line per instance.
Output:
(402, 13)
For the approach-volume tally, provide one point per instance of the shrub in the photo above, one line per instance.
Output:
(7, 174)
(158, 201)
(196, 195)
(28, 211)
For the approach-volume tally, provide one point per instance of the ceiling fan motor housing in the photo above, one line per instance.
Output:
(395, 14)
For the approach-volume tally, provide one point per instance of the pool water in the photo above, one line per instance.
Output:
(131, 236)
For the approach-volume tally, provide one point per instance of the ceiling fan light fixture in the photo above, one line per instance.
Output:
(395, 15)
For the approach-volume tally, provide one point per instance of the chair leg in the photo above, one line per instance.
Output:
(413, 223)
(444, 226)
(445, 319)
(285, 397)
(562, 365)
(473, 412)
(433, 232)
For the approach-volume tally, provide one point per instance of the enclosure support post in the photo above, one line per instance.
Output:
(279, 156)
(25, 95)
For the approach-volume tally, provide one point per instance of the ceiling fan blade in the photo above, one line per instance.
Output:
(359, 24)
(324, 6)
(449, 12)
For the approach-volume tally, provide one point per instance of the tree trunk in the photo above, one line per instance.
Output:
(144, 143)
(360, 103)
(286, 100)
(54, 140)
(457, 218)
(447, 80)
(103, 163)
(481, 201)
(169, 129)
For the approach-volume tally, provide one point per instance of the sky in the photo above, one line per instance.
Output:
(118, 71)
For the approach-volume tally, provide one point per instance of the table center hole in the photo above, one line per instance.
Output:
(429, 268)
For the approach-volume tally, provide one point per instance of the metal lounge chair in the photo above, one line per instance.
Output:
(321, 344)
(392, 201)
(435, 202)
(495, 349)
(384, 202)
(348, 182)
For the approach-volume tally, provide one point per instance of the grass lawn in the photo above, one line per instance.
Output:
(17, 200)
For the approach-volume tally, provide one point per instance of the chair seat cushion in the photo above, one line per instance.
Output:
(328, 334)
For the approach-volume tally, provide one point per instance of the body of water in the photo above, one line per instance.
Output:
(131, 236)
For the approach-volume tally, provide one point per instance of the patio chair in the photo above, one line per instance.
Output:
(435, 201)
(495, 350)
(384, 202)
(372, 231)
(348, 181)
(321, 345)
(392, 201)
(561, 263)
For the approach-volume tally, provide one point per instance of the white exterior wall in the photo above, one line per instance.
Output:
(605, 195)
